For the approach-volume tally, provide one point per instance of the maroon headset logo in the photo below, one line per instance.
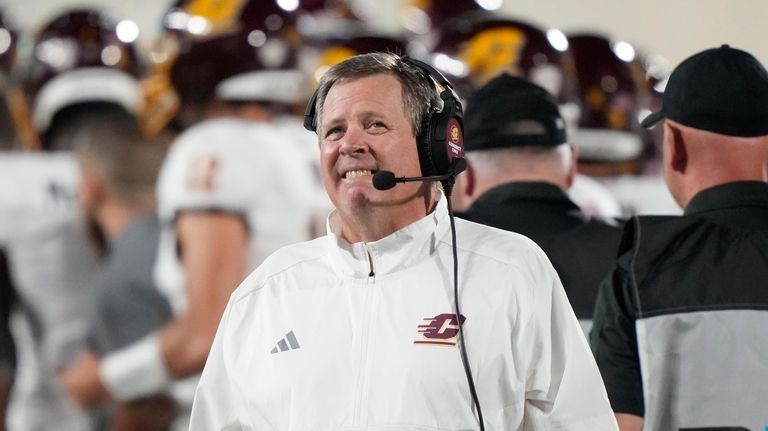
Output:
(440, 330)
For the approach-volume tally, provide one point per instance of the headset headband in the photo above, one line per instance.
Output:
(310, 112)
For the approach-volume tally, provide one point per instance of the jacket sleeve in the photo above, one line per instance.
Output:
(613, 337)
(564, 390)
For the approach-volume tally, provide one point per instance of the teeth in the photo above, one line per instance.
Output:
(358, 173)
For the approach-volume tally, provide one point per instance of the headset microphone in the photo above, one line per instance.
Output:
(385, 180)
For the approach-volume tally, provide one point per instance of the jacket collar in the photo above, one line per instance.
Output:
(729, 195)
(400, 250)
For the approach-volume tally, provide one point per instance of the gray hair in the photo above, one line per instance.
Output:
(419, 92)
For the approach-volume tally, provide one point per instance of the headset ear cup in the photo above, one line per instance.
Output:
(310, 114)
(424, 146)
(441, 138)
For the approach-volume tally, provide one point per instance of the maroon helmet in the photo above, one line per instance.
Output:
(338, 49)
(79, 56)
(609, 100)
(242, 51)
(474, 49)
(420, 17)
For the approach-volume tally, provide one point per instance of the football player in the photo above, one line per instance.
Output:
(76, 59)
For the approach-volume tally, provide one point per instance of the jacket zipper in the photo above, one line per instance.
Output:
(366, 321)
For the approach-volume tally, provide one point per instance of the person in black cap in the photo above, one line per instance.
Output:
(519, 168)
(679, 325)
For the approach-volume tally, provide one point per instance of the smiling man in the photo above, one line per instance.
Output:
(364, 129)
(358, 330)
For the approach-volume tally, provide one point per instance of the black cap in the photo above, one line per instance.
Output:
(722, 90)
(512, 112)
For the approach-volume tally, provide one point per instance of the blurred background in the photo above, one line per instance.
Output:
(673, 29)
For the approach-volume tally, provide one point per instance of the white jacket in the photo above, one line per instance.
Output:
(316, 339)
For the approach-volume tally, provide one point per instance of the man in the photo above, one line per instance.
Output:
(356, 330)
(42, 227)
(519, 169)
(50, 253)
(118, 168)
(233, 188)
(679, 326)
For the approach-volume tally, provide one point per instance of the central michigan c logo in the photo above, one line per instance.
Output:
(440, 330)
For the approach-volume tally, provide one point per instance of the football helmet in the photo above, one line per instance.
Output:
(610, 100)
(476, 48)
(420, 17)
(339, 49)
(79, 56)
(238, 50)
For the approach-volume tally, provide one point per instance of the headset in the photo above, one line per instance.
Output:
(440, 145)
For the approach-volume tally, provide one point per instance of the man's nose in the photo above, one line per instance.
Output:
(353, 142)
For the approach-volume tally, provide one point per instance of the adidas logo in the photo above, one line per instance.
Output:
(289, 342)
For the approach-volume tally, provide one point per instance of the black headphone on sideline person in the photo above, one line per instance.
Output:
(440, 145)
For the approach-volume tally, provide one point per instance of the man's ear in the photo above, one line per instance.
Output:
(462, 192)
(678, 154)
(469, 180)
(91, 190)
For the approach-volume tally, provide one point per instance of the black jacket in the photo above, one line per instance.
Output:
(582, 249)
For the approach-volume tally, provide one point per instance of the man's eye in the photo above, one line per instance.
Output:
(376, 125)
(334, 133)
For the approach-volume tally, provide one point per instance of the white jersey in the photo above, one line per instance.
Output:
(52, 264)
(331, 336)
(229, 165)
